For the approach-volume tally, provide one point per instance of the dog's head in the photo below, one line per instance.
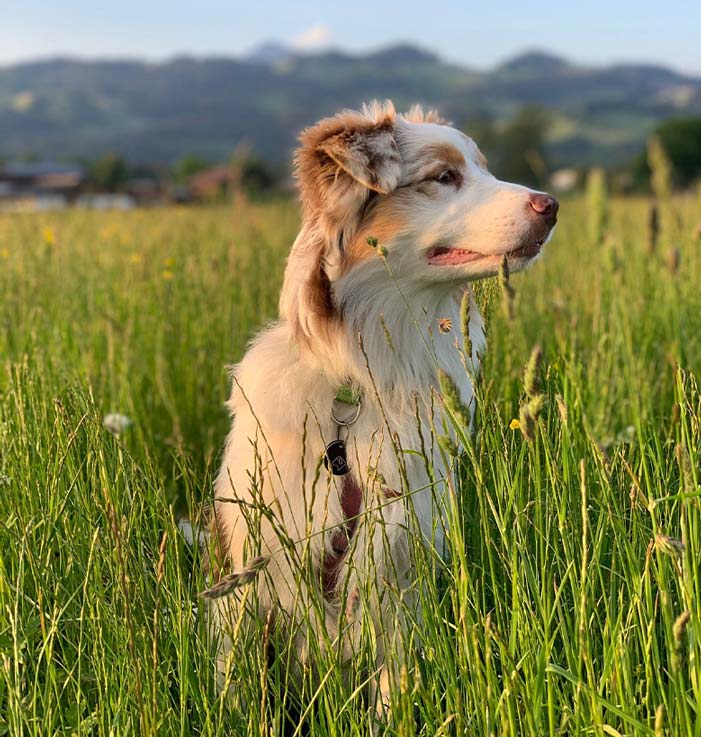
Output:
(418, 186)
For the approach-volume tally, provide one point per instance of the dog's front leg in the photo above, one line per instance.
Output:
(385, 687)
(383, 699)
(394, 643)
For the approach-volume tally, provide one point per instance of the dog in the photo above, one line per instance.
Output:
(400, 214)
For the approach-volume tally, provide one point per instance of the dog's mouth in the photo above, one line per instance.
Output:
(446, 256)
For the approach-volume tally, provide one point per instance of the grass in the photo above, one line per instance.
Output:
(558, 613)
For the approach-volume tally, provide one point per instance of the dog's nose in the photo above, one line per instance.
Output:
(546, 206)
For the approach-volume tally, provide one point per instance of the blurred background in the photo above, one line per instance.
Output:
(116, 105)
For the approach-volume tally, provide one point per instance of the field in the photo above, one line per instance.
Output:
(571, 603)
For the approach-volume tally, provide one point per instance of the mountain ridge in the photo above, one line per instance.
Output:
(65, 107)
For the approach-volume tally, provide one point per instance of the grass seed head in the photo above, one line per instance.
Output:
(451, 397)
(387, 334)
(659, 721)
(404, 680)
(673, 260)
(530, 375)
(535, 405)
(653, 228)
(449, 446)
(161, 557)
(660, 169)
(526, 423)
(685, 469)
(597, 201)
(529, 412)
(680, 624)
(507, 290)
(562, 409)
(504, 271)
(678, 630)
(670, 545)
(228, 584)
(465, 324)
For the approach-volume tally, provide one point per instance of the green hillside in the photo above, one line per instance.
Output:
(63, 108)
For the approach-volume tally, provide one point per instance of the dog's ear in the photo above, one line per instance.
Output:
(368, 155)
(344, 160)
(342, 163)
(306, 301)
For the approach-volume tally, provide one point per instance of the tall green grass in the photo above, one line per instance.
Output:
(561, 610)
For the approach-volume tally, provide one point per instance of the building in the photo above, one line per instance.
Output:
(40, 186)
(211, 183)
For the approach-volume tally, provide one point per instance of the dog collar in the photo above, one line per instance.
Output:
(347, 394)
(345, 408)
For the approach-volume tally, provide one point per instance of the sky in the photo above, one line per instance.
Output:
(477, 34)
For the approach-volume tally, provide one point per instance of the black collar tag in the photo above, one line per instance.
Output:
(335, 458)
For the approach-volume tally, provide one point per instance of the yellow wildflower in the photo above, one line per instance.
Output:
(49, 236)
(4, 253)
(167, 274)
(514, 424)
(136, 258)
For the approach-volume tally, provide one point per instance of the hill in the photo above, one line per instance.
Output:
(155, 112)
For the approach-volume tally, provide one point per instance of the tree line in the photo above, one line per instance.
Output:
(517, 151)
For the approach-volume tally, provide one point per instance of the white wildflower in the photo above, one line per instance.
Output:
(116, 423)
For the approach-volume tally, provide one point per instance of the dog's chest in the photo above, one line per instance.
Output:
(392, 451)
(393, 446)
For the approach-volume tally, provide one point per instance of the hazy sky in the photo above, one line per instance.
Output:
(473, 33)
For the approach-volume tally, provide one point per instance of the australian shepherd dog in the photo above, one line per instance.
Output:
(330, 475)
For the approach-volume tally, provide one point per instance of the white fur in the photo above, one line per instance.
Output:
(283, 386)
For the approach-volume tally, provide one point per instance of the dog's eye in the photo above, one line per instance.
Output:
(449, 176)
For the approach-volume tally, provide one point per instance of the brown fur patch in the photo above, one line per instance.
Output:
(319, 301)
(315, 302)
(431, 160)
(385, 222)
(447, 153)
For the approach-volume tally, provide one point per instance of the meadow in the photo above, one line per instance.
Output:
(571, 601)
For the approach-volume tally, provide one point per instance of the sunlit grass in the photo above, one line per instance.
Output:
(557, 613)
